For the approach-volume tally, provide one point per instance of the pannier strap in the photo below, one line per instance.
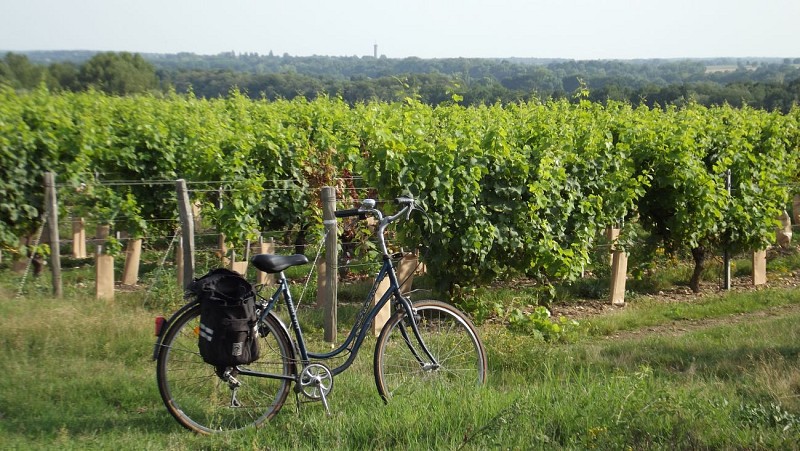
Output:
(272, 264)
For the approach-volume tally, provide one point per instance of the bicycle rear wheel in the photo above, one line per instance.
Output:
(202, 401)
(401, 365)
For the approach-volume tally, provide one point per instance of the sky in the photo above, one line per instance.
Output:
(575, 29)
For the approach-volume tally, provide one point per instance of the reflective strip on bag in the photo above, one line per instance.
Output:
(206, 332)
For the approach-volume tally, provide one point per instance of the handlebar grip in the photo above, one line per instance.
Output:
(350, 212)
(404, 201)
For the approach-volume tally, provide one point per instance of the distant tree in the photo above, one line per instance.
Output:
(537, 79)
(433, 89)
(119, 73)
(63, 76)
(17, 71)
(359, 90)
(485, 92)
(571, 83)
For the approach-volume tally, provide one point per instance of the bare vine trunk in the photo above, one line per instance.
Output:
(699, 256)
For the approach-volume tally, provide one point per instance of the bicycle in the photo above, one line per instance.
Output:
(423, 343)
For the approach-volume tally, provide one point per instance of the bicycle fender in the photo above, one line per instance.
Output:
(288, 337)
(283, 326)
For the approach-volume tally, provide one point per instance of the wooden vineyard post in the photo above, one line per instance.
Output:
(619, 269)
(329, 320)
(759, 267)
(405, 272)
(783, 234)
(179, 262)
(78, 238)
(222, 250)
(265, 247)
(51, 209)
(241, 266)
(133, 256)
(386, 312)
(104, 266)
(19, 266)
(187, 231)
(796, 208)
(221, 246)
(196, 215)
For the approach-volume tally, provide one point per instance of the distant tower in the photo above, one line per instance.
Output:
(375, 50)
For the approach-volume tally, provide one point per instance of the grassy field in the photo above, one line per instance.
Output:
(713, 372)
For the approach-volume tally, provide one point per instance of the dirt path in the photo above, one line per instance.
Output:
(585, 310)
(681, 327)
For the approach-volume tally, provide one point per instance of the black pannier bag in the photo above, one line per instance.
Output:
(228, 333)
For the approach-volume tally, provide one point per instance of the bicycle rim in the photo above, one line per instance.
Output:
(200, 400)
(402, 367)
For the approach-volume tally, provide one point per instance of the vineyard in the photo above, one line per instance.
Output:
(511, 190)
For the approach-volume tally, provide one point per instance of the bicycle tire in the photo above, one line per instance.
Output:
(452, 340)
(200, 400)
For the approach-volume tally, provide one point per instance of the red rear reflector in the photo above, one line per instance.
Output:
(159, 324)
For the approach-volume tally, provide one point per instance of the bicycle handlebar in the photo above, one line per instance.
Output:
(362, 214)
(368, 208)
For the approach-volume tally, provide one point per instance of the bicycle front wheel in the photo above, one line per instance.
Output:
(205, 403)
(401, 364)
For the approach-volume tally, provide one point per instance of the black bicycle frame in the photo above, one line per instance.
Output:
(357, 333)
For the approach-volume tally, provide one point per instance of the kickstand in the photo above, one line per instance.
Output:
(234, 401)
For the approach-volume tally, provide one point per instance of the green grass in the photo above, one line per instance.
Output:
(78, 375)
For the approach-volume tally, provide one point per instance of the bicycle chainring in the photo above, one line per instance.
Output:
(316, 381)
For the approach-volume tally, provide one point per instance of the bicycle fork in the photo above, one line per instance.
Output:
(427, 365)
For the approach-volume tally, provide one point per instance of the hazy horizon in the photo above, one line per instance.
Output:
(568, 29)
(743, 57)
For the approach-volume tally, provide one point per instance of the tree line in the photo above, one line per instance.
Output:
(770, 84)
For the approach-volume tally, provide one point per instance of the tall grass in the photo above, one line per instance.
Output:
(77, 374)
